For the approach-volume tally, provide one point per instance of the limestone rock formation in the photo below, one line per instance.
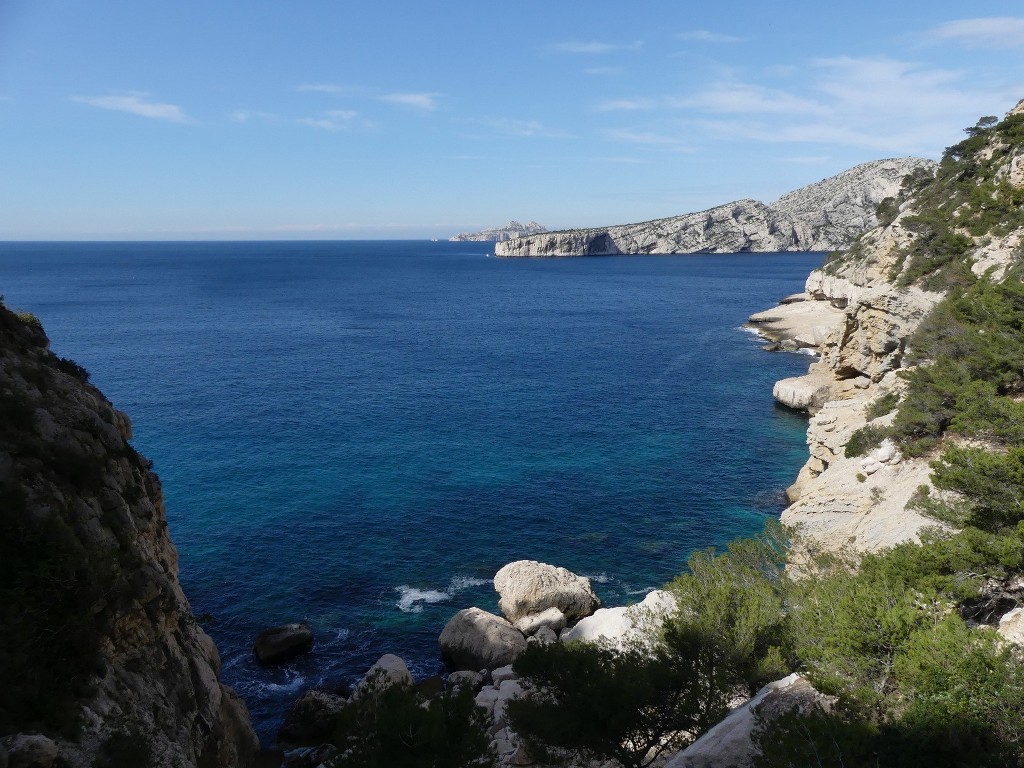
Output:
(100, 651)
(624, 625)
(474, 639)
(875, 304)
(388, 670)
(500, 234)
(552, 618)
(730, 744)
(823, 216)
(527, 587)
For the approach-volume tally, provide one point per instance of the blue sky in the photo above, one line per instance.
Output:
(231, 120)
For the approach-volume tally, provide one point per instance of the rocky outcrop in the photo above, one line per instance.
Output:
(527, 587)
(474, 639)
(312, 718)
(823, 216)
(731, 743)
(500, 234)
(100, 652)
(625, 625)
(861, 502)
(278, 644)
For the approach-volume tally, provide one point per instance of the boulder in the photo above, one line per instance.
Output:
(311, 718)
(475, 639)
(1011, 626)
(388, 670)
(544, 636)
(527, 587)
(278, 644)
(626, 624)
(552, 618)
(730, 743)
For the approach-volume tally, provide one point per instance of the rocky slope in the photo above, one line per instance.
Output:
(874, 297)
(500, 234)
(101, 659)
(820, 217)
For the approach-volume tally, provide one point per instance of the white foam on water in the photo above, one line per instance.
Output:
(412, 600)
(461, 583)
(600, 578)
(808, 351)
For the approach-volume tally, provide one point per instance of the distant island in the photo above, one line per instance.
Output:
(500, 234)
(825, 216)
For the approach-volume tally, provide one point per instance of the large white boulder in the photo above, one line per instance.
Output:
(388, 670)
(1011, 626)
(527, 587)
(475, 639)
(626, 624)
(729, 744)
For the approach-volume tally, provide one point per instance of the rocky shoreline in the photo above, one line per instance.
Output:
(824, 216)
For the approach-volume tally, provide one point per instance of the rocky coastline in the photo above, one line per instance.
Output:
(824, 216)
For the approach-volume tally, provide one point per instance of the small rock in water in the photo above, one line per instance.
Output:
(278, 644)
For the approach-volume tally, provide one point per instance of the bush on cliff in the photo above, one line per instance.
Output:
(629, 705)
(737, 597)
(391, 724)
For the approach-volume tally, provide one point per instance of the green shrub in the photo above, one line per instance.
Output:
(631, 705)
(393, 725)
(884, 405)
(865, 439)
(737, 597)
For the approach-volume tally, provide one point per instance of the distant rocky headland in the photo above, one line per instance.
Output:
(500, 234)
(824, 216)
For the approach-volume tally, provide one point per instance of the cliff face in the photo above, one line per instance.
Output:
(100, 653)
(821, 217)
(879, 292)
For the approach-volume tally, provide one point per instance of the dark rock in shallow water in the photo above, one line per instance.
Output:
(279, 644)
(312, 718)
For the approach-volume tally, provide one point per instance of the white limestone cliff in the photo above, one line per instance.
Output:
(820, 217)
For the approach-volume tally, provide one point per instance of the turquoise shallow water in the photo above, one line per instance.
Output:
(359, 434)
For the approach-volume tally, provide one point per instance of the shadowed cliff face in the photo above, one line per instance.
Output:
(100, 652)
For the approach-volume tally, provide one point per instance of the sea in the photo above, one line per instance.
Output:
(358, 435)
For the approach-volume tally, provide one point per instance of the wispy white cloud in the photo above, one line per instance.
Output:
(520, 128)
(246, 115)
(704, 36)
(594, 47)
(331, 88)
(745, 98)
(879, 103)
(334, 120)
(1000, 32)
(136, 104)
(427, 102)
(626, 105)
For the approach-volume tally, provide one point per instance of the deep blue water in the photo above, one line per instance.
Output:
(359, 434)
